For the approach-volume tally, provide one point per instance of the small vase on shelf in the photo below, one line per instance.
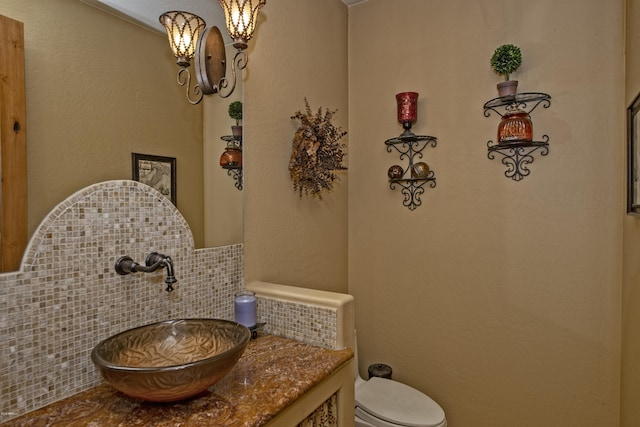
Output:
(515, 126)
(231, 158)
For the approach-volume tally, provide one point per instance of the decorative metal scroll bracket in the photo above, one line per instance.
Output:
(517, 156)
(412, 189)
(410, 147)
(236, 173)
(527, 101)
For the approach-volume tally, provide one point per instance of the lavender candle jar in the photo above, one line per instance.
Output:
(245, 308)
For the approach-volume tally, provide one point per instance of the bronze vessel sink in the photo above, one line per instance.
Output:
(170, 360)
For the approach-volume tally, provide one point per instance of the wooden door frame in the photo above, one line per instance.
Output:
(13, 145)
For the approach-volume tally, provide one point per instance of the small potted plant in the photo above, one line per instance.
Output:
(235, 112)
(505, 60)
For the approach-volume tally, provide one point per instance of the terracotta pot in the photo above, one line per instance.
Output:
(508, 88)
(231, 158)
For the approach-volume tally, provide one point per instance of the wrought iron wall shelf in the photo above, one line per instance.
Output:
(409, 146)
(517, 154)
(233, 170)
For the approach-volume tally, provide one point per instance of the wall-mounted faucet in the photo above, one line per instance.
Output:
(154, 261)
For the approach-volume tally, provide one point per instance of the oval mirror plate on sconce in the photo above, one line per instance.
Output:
(210, 61)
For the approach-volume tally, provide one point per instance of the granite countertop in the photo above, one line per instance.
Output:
(271, 374)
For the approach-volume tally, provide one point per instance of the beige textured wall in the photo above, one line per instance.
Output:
(630, 410)
(500, 299)
(299, 51)
(99, 88)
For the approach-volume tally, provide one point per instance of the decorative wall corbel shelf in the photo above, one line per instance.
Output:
(517, 154)
(409, 146)
(234, 170)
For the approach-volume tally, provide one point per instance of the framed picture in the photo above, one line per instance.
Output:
(157, 172)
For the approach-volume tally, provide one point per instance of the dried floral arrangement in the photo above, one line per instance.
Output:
(316, 152)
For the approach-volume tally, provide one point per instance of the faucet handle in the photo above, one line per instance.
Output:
(125, 265)
(152, 258)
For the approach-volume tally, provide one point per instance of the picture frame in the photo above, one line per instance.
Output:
(156, 171)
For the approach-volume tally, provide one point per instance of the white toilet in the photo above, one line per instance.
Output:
(382, 402)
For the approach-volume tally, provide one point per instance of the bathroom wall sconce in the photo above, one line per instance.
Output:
(191, 40)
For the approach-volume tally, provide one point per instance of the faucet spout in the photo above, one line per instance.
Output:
(154, 261)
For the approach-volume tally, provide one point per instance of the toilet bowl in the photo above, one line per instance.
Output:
(387, 403)
(382, 402)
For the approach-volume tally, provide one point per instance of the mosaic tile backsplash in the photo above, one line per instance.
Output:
(308, 323)
(67, 295)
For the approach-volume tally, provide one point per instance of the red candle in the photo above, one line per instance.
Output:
(407, 107)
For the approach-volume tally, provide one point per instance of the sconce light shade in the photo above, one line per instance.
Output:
(184, 30)
(241, 16)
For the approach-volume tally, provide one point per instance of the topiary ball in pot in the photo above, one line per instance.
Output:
(235, 112)
(505, 60)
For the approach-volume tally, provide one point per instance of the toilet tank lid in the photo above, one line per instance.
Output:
(398, 403)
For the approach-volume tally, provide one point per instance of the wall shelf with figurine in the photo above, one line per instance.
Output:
(515, 143)
(418, 174)
(231, 158)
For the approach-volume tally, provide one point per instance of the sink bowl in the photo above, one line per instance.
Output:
(171, 360)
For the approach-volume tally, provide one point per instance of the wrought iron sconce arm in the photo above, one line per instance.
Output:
(184, 79)
(240, 61)
(196, 93)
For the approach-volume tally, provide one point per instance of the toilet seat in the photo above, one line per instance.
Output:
(396, 403)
